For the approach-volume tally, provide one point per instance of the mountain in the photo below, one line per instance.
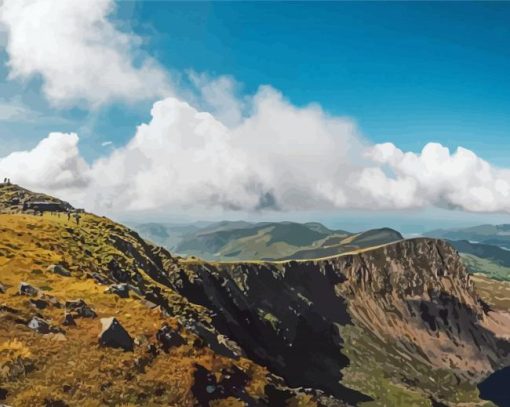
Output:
(497, 235)
(266, 240)
(167, 235)
(485, 251)
(92, 314)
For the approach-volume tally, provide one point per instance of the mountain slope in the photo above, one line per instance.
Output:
(394, 325)
(47, 360)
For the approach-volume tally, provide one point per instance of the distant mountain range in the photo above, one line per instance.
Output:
(484, 248)
(242, 240)
(497, 235)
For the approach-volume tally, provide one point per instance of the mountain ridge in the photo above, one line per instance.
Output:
(240, 240)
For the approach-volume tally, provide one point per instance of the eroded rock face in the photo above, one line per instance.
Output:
(413, 295)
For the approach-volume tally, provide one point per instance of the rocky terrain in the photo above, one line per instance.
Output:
(91, 314)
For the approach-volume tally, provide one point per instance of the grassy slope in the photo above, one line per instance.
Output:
(278, 241)
(35, 368)
(486, 267)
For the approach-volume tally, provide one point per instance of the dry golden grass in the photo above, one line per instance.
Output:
(73, 368)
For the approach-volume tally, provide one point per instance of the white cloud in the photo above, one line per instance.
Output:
(78, 52)
(280, 157)
(220, 96)
(248, 153)
(54, 164)
(441, 178)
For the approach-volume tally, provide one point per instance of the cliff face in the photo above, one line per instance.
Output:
(408, 309)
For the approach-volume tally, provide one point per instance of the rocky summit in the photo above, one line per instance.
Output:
(92, 314)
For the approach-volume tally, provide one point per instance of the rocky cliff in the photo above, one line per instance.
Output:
(404, 316)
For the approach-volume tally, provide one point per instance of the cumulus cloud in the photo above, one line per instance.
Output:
(438, 177)
(54, 164)
(279, 157)
(219, 95)
(79, 54)
(218, 150)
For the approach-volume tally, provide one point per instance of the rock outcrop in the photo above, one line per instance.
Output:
(114, 335)
(59, 269)
(79, 308)
(27, 289)
(414, 297)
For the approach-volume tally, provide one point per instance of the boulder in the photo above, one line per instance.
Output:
(168, 338)
(114, 335)
(39, 325)
(27, 289)
(38, 303)
(68, 320)
(59, 269)
(121, 289)
(79, 308)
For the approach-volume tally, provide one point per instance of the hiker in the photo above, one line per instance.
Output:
(68, 215)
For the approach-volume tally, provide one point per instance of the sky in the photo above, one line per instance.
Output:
(352, 113)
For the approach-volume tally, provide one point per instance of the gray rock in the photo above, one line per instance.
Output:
(68, 320)
(80, 308)
(27, 289)
(121, 289)
(113, 335)
(39, 325)
(59, 269)
(38, 303)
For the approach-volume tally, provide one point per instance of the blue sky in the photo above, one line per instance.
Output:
(409, 73)
(405, 73)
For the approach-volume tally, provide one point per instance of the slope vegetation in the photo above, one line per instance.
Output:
(91, 314)
(263, 241)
